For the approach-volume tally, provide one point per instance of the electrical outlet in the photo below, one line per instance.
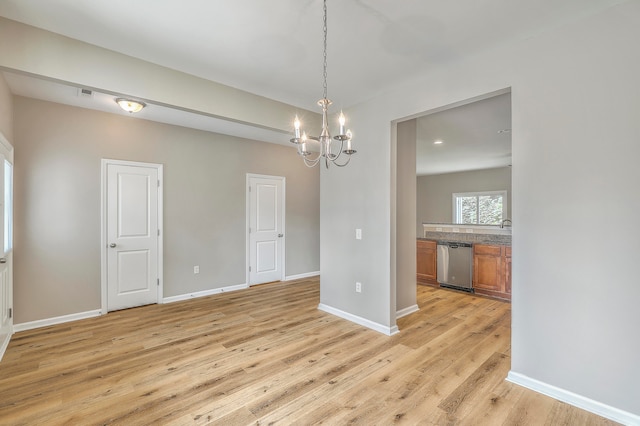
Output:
(358, 287)
(196, 269)
(358, 234)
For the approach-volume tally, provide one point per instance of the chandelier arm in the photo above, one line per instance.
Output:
(339, 152)
(344, 164)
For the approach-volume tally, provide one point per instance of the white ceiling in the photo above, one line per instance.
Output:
(474, 136)
(274, 48)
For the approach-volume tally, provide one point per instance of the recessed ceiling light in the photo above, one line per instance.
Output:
(438, 142)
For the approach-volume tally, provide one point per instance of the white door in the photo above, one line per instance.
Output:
(6, 243)
(266, 229)
(132, 234)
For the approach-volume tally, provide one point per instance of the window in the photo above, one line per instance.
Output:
(480, 208)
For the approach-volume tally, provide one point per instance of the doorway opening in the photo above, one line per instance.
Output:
(442, 146)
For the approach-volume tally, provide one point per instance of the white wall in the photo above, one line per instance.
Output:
(576, 103)
(6, 110)
(405, 173)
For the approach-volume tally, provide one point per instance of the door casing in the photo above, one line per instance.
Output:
(6, 287)
(103, 222)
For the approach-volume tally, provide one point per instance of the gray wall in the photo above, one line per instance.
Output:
(6, 110)
(406, 215)
(434, 192)
(57, 204)
(575, 106)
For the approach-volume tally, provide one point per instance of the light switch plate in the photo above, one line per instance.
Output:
(358, 234)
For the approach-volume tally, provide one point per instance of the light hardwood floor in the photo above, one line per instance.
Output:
(267, 355)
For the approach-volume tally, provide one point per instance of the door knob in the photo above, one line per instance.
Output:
(3, 260)
(112, 245)
(280, 235)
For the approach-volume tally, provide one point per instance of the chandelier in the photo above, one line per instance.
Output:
(329, 152)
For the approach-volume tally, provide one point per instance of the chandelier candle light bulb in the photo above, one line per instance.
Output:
(325, 139)
(296, 125)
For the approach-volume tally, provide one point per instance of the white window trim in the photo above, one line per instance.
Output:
(455, 195)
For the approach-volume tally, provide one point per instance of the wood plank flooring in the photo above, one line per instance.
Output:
(267, 355)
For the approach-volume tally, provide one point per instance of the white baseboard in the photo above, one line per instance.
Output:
(56, 320)
(407, 311)
(574, 399)
(5, 343)
(300, 276)
(188, 296)
(389, 331)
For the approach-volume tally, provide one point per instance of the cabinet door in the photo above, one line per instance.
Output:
(426, 262)
(487, 268)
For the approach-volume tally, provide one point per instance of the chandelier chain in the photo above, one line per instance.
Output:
(324, 28)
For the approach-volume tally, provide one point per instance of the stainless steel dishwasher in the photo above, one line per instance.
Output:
(455, 265)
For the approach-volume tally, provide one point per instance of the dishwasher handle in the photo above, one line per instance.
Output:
(455, 244)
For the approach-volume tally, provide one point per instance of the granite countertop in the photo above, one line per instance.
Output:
(459, 237)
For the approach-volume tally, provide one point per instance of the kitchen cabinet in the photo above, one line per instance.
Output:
(426, 262)
(492, 270)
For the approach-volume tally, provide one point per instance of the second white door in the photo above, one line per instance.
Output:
(266, 229)
(132, 235)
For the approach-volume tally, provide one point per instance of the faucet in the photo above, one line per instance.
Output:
(504, 221)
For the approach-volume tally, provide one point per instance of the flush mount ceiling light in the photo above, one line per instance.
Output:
(330, 153)
(130, 105)
(438, 142)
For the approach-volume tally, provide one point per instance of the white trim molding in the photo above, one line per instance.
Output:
(204, 293)
(56, 320)
(5, 342)
(574, 399)
(407, 311)
(389, 331)
(301, 276)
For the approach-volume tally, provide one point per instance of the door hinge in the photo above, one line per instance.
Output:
(249, 268)
(10, 312)
(158, 232)
(249, 189)
(249, 229)
(158, 183)
(158, 281)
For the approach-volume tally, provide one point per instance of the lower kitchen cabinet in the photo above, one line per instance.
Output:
(426, 262)
(492, 270)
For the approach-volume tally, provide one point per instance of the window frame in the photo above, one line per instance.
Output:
(454, 205)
